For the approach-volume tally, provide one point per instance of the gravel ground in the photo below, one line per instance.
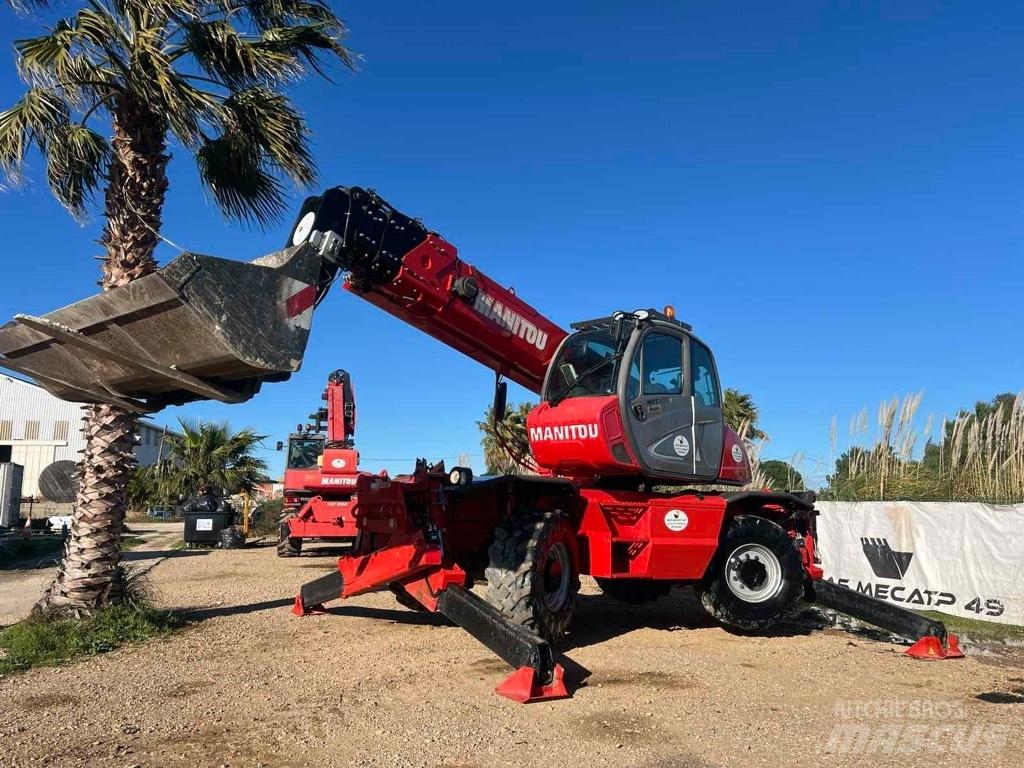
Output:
(21, 586)
(373, 684)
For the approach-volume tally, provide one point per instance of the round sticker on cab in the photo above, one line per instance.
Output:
(681, 445)
(338, 463)
(737, 454)
(676, 520)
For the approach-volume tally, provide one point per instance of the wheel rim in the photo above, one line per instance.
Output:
(753, 573)
(556, 575)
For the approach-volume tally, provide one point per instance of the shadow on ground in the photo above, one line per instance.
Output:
(599, 618)
(396, 615)
(201, 614)
(158, 554)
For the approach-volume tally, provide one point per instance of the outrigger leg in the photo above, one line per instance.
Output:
(416, 567)
(932, 641)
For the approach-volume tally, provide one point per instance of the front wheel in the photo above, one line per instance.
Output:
(533, 575)
(756, 577)
(287, 545)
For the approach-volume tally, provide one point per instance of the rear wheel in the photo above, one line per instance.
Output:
(287, 545)
(533, 575)
(634, 591)
(757, 576)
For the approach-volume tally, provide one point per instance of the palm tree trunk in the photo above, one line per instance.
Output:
(89, 576)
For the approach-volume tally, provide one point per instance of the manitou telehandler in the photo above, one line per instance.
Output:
(320, 473)
(628, 401)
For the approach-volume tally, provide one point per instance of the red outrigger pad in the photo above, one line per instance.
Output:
(299, 608)
(930, 647)
(522, 686)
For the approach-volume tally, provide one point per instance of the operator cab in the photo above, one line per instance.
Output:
(635, 393)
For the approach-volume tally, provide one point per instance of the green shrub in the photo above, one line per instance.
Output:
(266, 520)
(51, 639)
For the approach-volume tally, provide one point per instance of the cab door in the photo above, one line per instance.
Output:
(660, 410)
(707, 406)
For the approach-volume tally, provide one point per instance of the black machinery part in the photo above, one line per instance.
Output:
(890, 617)
(514, 644)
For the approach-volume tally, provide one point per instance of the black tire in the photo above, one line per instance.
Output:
(287, 546)
(533, 575)
(634, 591)
(756, 578)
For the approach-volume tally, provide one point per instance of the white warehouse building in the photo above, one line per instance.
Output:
(37, 429)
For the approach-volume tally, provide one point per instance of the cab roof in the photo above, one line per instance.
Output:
(638, 315)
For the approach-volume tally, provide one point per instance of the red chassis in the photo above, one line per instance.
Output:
(426, 537)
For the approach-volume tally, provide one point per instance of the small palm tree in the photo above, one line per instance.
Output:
(209, 457)
(506, 445)
(741, 413)
(108, 90)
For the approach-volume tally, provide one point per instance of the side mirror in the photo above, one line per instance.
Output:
(500, 400)
(280, 445)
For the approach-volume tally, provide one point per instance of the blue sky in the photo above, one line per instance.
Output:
(830, 193)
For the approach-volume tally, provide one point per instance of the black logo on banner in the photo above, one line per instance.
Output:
(886, 563)
(890, 565)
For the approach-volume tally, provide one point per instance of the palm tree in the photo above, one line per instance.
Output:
(209, 457)
(108, 90)
(741, 414)
(506, 446)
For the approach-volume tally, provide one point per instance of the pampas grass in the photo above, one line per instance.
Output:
(976, 457)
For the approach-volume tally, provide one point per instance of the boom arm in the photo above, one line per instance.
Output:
(392, 261)
(341, 409)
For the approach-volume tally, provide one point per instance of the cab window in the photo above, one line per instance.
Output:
(702, 376)
(303, 454)
(587, 365)
(662, 364)
(633, 388)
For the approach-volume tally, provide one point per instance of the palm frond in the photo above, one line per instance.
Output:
(239, 62)
(308, 43)
(265, 14)
(30, 120)
(276, 127)
(22, 6)
(47, 51)
(155, 59)
(234, 170)
(189, 109)
(76, 160)
(78, 56)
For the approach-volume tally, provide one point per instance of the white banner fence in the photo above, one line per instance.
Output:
(963, 559)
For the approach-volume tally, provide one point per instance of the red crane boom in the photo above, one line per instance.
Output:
(394, 262)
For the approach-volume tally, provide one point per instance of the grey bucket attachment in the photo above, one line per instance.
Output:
(201, 328)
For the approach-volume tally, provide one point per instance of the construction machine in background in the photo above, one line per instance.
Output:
(320, 474)
(629, 401)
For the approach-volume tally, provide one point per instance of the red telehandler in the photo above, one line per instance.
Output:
(628, 401)
(321, 472)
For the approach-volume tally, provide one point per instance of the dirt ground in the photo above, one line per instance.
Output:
(373, 684)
